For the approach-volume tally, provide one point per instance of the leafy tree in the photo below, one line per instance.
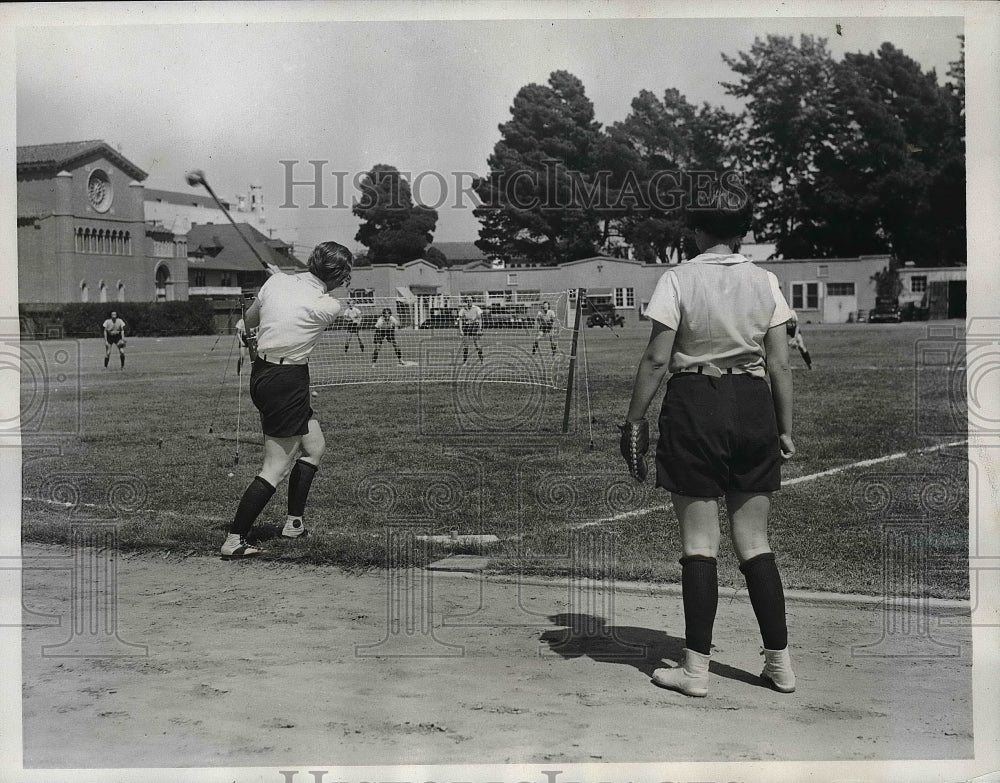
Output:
(393, 228)
(671, 141)
(541, 172)
(791, 116)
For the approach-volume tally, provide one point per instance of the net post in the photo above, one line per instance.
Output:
(571, 374)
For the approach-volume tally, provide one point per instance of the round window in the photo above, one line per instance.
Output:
(99, 190)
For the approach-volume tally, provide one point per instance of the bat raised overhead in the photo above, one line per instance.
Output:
(196, 177)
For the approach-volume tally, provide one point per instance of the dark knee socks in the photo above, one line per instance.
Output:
(299, 482)
(254, 499)
(700, 589)
(767, 597)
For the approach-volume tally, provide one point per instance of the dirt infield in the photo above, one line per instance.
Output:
(251, 664)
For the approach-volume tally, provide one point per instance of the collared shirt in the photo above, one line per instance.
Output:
(115, 326)
(547, 316)
(721, 306)
(353, 314)
(387, 323)
(470, 314)
(294, 311)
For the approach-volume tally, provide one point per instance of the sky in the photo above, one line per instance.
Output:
(236, 99)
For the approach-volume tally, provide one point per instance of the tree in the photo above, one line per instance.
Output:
(666, 143)
(535, 198)
(895, 181)
(791, 116)
(393, 228)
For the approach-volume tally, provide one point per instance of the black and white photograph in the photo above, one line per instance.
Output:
(528, 392)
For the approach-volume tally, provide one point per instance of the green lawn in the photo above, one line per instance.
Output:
(415, 457)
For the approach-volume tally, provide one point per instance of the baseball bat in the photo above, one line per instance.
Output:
(197, 177)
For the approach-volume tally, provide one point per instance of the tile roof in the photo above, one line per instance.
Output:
(230, 252)
(57, 156)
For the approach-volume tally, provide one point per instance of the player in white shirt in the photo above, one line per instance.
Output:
(290, 314)
(546, 321)
(353, 316)
(385, 331)
(114, 334)
(796, 340)
(470, 327)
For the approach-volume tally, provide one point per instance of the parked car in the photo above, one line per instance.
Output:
(440, 318)
(601, 311)
(885, 314)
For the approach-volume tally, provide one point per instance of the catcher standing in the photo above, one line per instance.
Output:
(725, 428)
(546, 320)
(353, 316)
(114, 334)
(470, 327)
(385, 331)
(290, 314)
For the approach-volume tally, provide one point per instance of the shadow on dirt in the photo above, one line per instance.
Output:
(642, 648)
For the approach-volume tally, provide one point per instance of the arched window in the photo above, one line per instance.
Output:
(77, 238)
(162, 283)
(102, 292)
(84, 293)
(121, 291)
(128, 243)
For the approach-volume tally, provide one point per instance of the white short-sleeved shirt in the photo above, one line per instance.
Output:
(353, 314)
(470, 315)
(115, 326)
(294, 311)
(547, 316)
(721, 306)
(392, 322)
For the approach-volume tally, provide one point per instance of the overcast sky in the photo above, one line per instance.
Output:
(235, 99)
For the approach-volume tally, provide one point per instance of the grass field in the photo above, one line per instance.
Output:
(407, 459)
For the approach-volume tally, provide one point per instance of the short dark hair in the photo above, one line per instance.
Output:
(727, 213)
(331, 262)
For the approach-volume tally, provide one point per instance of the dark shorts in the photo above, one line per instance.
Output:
(471, 330)
(281, 394)
(353, 328)
(385, 334)
(718, 435)
(544, 328)
(114, 338)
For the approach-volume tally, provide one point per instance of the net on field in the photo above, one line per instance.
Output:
(515, 343)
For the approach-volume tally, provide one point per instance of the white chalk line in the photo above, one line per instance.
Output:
(613, 518)
(639, 512)
(105, 507)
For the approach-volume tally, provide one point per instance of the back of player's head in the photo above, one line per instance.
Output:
(724, 212)
(331, 262)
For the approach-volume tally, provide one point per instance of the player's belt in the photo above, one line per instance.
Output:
(704, 369)
(270, 359)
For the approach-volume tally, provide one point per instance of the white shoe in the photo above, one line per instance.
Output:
(293, 528)
(237, 546)
(690, 679)
(778, 670)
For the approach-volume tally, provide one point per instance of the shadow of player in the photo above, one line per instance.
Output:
(642, 648)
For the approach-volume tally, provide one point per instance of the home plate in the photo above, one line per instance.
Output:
(409, 364)
(460, 563)
(459, 539)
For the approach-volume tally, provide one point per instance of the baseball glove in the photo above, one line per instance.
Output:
(122, 343)
(634, 444)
